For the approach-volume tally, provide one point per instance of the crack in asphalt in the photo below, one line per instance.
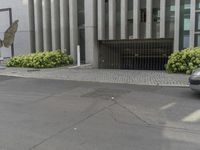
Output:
(69, 127)
(133, 113)
(147, 124)
(195, 132)
(115, 102)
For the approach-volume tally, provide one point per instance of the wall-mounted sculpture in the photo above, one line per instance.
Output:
(9, 35)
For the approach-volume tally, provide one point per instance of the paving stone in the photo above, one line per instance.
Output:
(139, 77)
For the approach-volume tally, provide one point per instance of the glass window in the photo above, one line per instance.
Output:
(197, 21)
(186, 39)
(172, 8)
(143, 15)
(81, 15)
(186, 22)
(170, 11)
(197, 40)
(198, 4)
(130, 18)
(186, 4)
(156, 14)
(106, 19)
(118, 18)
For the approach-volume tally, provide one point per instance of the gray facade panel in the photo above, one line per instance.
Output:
(73, 26)
(91, 32)
(38, 25)
(55, 24)
(46, 7)
(107, 18)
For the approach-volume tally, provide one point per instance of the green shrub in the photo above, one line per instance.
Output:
(41, 60)
(184, 61)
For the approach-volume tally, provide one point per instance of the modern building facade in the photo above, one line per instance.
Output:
(64, 24)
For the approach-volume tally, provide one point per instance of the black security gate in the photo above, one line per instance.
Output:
(140, 54)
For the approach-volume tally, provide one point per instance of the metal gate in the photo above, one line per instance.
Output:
(140, 54)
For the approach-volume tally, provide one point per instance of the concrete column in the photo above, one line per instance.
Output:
(55, 24)
(192, 22)
(136, 19)
(38, 25)
(64, 23)
(91, 32)
(112, 19)
(162, 18)
(46, 5)
(31, 25)
(124, 18)
(149, 18)
(177, 25)
(101, 19)
(73, 19)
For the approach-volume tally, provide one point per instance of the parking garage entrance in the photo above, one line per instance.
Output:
(138, 54)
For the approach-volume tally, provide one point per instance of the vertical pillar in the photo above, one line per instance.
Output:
(46, 7)
(90, 32)
(73, 19)
(101, 19)
(177, 25)
(162, 18)
(192, 22)
(124, 18)
(149, 18)
(112, 19)
(64, 23)
(38, 24)
(31, 25)
(55, 24)
(136, 18)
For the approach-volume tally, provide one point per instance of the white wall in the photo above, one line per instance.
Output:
(20, 12)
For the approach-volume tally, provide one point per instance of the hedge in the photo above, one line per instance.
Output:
(47, 59)
(184, 61)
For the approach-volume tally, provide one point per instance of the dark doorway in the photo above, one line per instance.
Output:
(138, 54)
(82, 44)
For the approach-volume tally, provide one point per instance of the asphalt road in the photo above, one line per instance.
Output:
(37, 114)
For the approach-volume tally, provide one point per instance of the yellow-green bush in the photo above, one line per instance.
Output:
(184, 61)
(47, 59)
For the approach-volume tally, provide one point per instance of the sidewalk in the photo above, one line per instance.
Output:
(138, 77)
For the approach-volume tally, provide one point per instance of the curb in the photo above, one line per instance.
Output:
(54, 78)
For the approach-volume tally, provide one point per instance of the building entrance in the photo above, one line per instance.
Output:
(138, 54)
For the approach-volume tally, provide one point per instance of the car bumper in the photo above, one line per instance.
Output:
(195, 87)
(194, 83)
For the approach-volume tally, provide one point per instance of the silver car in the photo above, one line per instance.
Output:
(195, 80)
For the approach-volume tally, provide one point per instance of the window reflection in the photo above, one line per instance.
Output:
(197, 25)
(170, 12)
(198, 4)
(185, 24)
(197, 40)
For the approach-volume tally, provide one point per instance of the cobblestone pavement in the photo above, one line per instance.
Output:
(138, 77)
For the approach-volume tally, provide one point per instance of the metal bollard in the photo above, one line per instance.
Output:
(78, 56)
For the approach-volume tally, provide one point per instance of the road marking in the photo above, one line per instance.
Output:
(167, 106)
(193, 117)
